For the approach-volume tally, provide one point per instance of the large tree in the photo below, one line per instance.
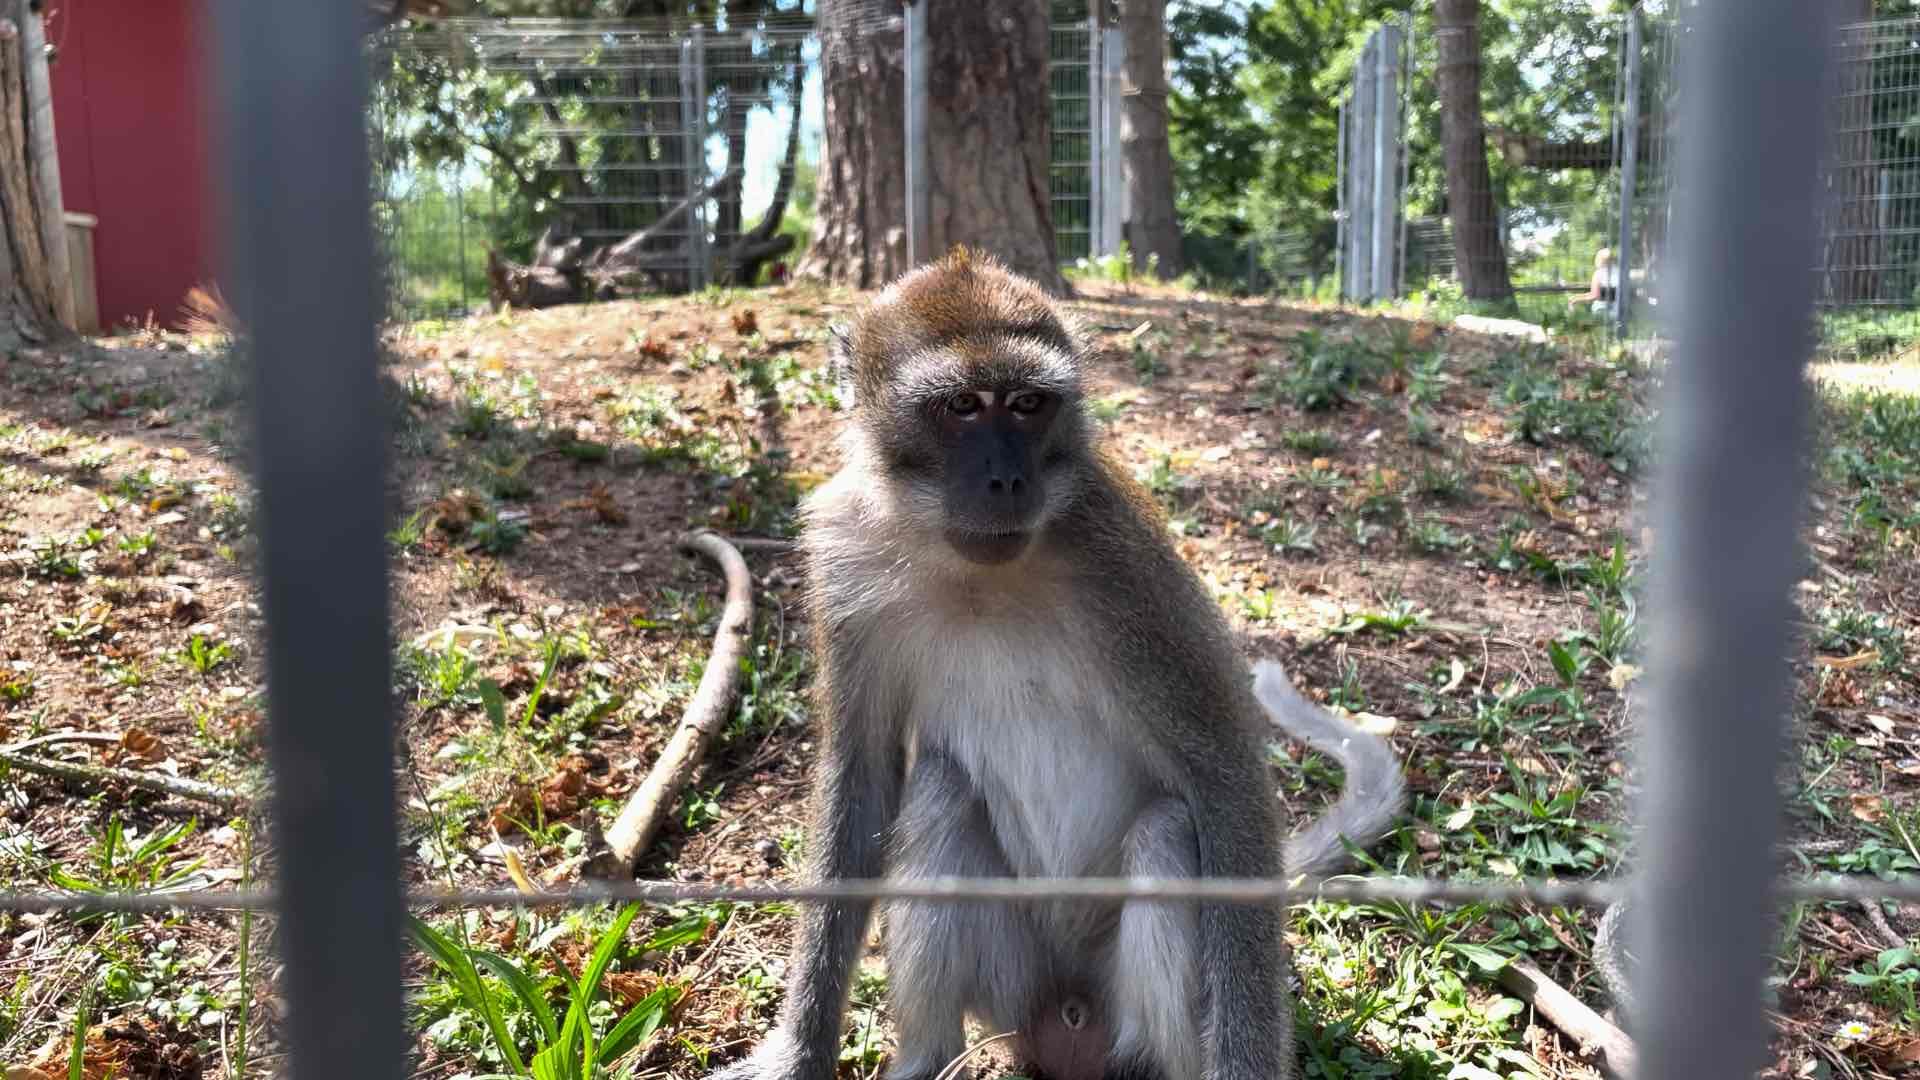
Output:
(988, 136)
(36, 299)
(1146, 155)
(1480, 254)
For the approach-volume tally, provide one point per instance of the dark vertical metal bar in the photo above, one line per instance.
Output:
(299, 263)
(1731, 497)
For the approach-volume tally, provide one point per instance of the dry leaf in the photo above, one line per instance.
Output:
(1869, 808)
(1456, 674)
(745, 322)
(142, 744)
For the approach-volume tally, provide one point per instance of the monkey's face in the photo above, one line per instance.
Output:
(967, 396)
(997, 460)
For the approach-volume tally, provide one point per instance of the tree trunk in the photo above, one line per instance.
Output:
(989, 131)
(1479, 252)
(1146, 157)
(30, 291)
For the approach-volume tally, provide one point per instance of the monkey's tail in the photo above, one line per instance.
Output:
(1374, 791)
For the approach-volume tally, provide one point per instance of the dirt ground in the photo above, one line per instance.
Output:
(1439, 532)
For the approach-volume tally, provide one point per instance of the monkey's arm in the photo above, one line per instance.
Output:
(1241, 947)
(856, 796)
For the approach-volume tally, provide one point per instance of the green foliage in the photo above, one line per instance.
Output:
(571, 1046)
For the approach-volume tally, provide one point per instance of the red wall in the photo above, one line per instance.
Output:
(132, 128)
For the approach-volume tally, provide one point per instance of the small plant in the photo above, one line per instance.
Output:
(408, 534)
(1260, 605)
(1615, 625)
(202, 656)
(16, 686)
(55, 558)
(703, 808)
(1146, 362)
(1290, 535)
(565, 1047)
(1314, 441)
(125, 862)
(1321, 375)
(496, 535)
(503, 474)
(1440, 482)
(140, 546)
(476, 417)
(1433, 537)
(1893, 979)
(1398, 618)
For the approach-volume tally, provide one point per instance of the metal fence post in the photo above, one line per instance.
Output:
(919, 184)
(688, 176)
(1731, 498)
(697, 213)
(1341, 207)
(1113, 53)
(291, 92)
(1360, 148)
(1386, 166)
(1629, 167)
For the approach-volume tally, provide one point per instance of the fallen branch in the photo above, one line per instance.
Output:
(646, 810)
(769, 545)
(197, 791)
(1570, 1014)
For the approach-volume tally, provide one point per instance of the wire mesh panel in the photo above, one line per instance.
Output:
(1869, 260)
(616, 155)
(1073, 76)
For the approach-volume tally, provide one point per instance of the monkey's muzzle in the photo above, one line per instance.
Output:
(988, 548)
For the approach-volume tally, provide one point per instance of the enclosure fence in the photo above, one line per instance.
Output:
(1581, 210)
(668, 148)
(1731, 495)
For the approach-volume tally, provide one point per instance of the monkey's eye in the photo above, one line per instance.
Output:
(963, 404)
(1029, 402)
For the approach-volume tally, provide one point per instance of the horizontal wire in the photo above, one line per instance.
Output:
(1025, 890)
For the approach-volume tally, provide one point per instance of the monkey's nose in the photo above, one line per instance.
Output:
(1012, 485)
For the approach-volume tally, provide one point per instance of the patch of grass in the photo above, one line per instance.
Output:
(1321, 374)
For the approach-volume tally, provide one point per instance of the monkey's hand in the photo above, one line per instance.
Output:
(780, 1057)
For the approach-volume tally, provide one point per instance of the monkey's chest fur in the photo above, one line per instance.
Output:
(1015, 703)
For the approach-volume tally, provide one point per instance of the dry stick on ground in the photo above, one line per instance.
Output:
(1570, 1014)
(640, 819)
(198, 791)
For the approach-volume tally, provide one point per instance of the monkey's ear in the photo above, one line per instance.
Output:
(840, 363)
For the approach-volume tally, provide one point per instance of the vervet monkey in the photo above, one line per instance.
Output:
(1018, 676)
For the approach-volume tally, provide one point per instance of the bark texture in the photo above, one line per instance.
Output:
(1480, 254)
(989, 134)
(1146, 156)
(29, 291)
